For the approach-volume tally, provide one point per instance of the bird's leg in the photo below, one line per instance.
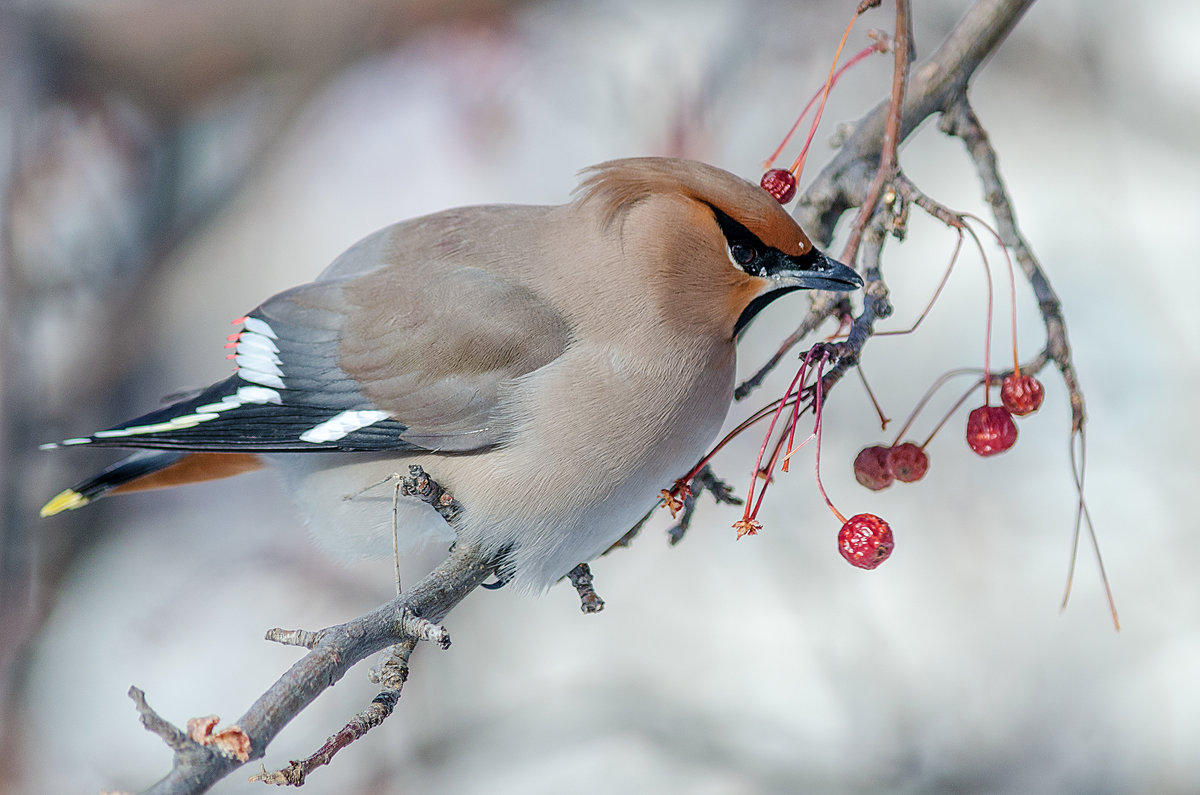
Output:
(503, 572)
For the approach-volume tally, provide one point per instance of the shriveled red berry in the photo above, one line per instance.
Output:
(908, 462)
(865, 541)
(991, 430)
(1021, 394)
(871, 467)
(780, 183)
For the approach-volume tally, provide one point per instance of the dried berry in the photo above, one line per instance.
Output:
(907, 462)
(747, 527)
(865, 541)
(780, 183)
(991, 430)
(872, 468)
(1021, 394)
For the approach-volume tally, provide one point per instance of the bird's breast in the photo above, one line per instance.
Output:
(612, 414)
(599, 433)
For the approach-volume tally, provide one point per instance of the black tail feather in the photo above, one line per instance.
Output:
(138, 465)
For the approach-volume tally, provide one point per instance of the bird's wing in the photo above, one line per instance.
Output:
(391, 359)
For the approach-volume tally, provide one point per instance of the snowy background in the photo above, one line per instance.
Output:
(168, 166)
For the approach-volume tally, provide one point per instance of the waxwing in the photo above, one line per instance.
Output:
(553, 367)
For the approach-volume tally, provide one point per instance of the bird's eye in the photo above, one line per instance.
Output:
(742, 254)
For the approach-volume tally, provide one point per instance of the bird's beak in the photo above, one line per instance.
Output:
(815, 271)
(811, 271)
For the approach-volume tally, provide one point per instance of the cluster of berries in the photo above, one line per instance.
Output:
(990, 430)
(865, 540)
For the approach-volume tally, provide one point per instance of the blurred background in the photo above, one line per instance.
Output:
(166, 166)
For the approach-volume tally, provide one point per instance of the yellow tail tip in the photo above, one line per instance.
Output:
(67, 500)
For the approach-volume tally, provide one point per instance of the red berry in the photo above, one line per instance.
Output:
(780, 183)
(1021, 394)
(865, 541)
(871, 468)
(907, 462)
(991, 430)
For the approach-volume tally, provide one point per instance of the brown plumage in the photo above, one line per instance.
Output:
(554, 367)
(617, 185)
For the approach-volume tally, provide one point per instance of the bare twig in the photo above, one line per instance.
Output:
(294, 637)
(175, 738)
(420, 485)
(705, 480)
(890, 145)
(392, 675)
(581, 579)
(338, 648)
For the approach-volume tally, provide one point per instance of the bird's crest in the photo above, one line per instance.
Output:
(619, 184)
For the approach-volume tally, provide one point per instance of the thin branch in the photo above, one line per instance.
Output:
(392, 675)
(890, 145)
(819, 309)
(581, 580)
(175, 738)
(960, 121)
(705, 480)
(338, 648)
(935, 83)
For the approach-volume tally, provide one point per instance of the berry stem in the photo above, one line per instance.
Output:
(954, 408)
(883, 419)
(793, 450)
(1012, 285)
(1078, 469)
(749, 514)
(878, 46)
(820, 390)
(754, 418)
(789, 433)
(936, 293)
(929, 393)
(798, 167)
(791, 436)
(987, 333)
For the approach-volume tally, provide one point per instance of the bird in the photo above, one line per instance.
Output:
(553, 367)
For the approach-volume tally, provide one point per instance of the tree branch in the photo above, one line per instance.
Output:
(336, 650)
(859, 169)
(392, 675)
(935, 83)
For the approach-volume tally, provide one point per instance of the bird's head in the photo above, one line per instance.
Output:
(714, 248)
